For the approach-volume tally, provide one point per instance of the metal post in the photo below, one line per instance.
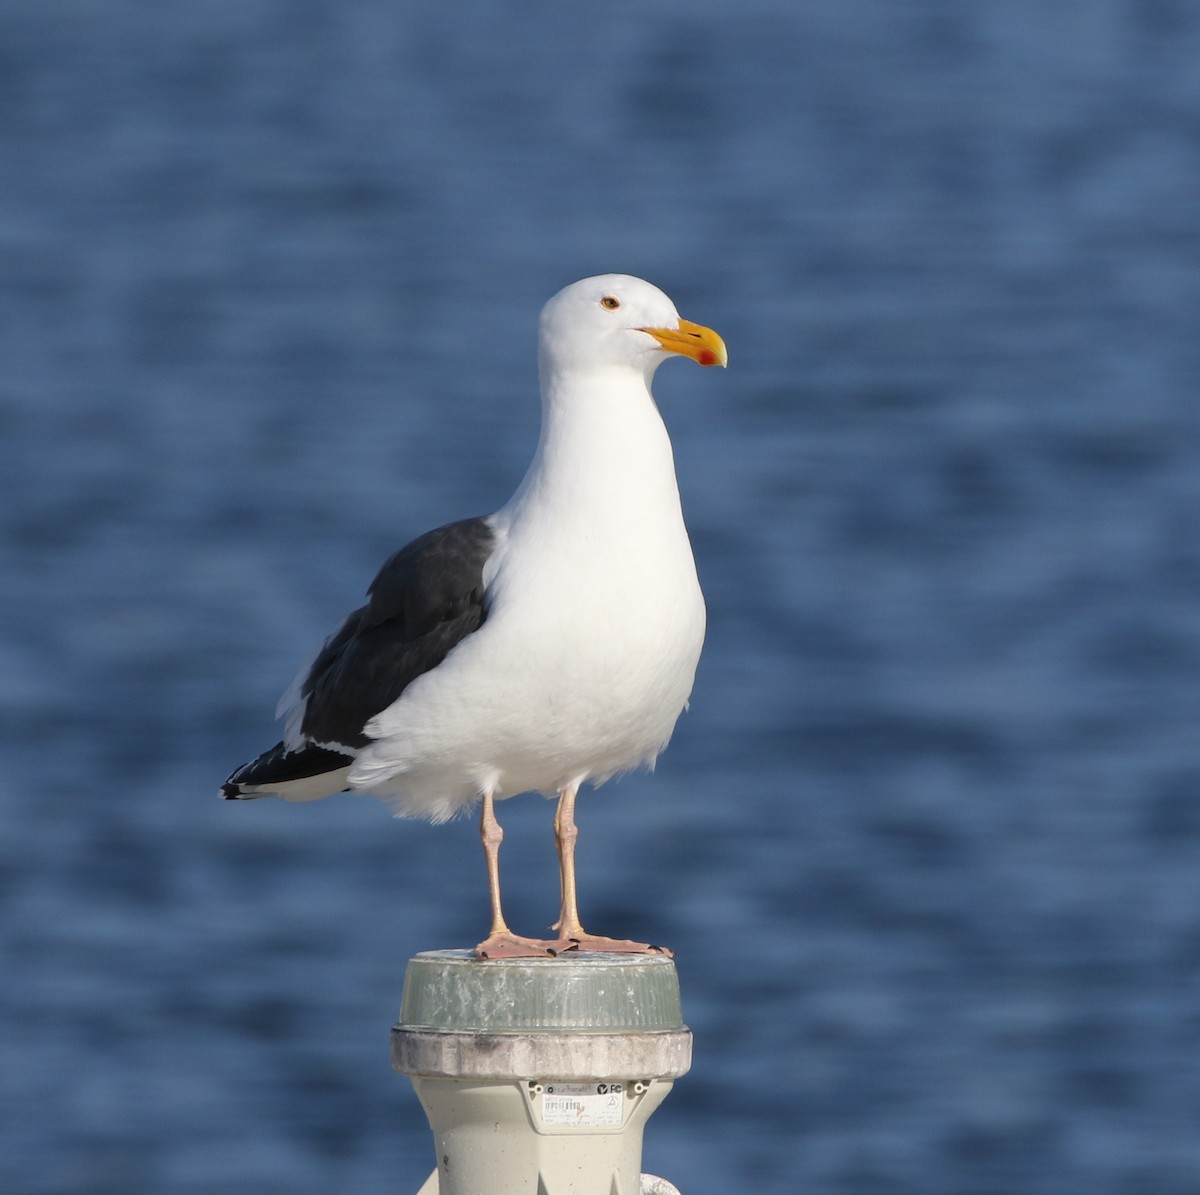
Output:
(538, 1075)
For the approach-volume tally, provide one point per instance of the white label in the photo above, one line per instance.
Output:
(588, 1105)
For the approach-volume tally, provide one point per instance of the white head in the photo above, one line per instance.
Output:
(615, 321)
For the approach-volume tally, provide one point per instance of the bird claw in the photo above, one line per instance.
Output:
(592, 942)
(510, 945)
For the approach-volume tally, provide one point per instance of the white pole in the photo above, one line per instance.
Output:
(538, 1075)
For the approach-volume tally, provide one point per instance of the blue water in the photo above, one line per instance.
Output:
(928, 842)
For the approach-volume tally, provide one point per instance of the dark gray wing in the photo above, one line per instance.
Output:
(426, 599)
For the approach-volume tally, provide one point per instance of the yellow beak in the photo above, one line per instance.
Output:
(692, 340)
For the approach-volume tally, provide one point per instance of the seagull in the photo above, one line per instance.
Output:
(551, 643)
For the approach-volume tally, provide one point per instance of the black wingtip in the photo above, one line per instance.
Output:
(230, 792)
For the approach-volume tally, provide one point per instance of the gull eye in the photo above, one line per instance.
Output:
(610, 303)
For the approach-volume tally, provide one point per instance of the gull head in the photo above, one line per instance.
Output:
(618, 321)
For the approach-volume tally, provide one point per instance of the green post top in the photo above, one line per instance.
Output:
(450, 991)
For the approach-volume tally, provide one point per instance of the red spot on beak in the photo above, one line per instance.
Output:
(707, 357)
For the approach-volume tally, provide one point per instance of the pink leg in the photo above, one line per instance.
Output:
(502, 942)
(571, 934)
